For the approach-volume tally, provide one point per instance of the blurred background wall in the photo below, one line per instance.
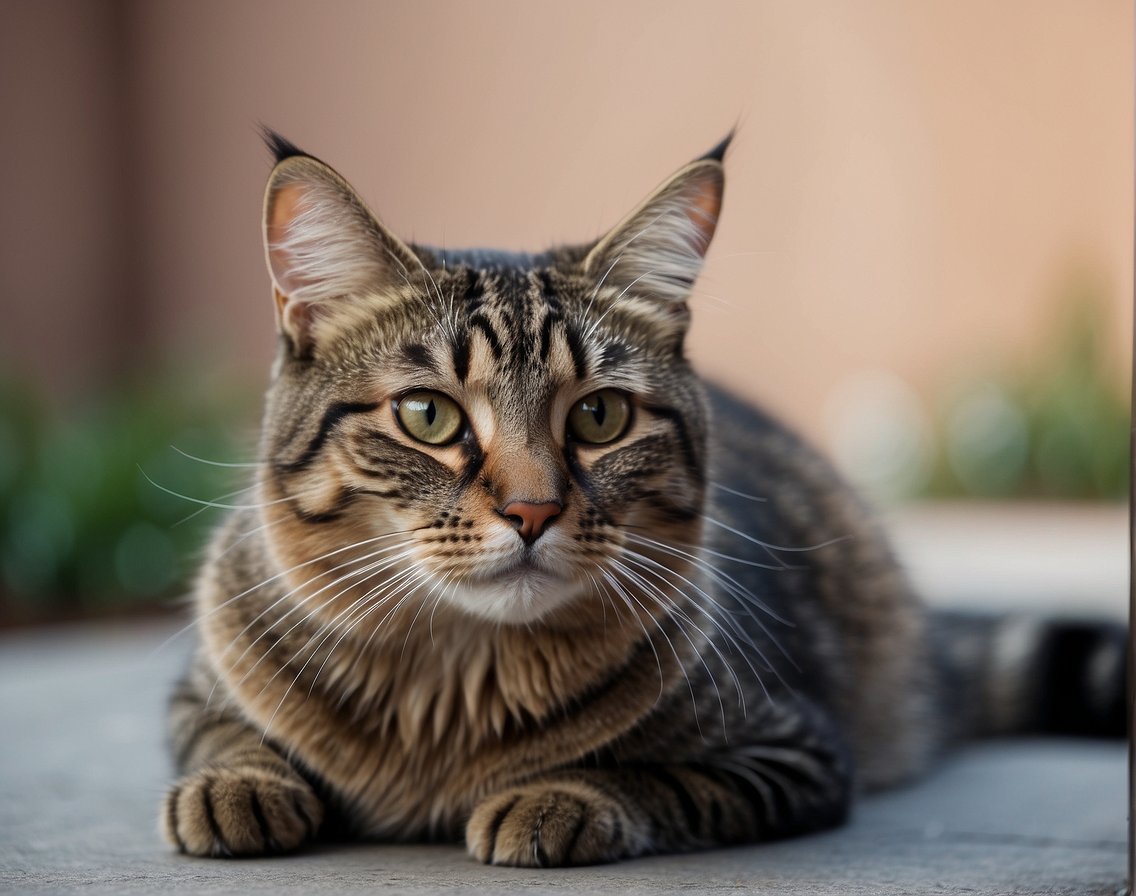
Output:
(924, 259)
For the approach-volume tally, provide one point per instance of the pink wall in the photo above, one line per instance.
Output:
(911, 188)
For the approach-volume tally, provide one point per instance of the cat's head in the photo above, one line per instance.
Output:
(517, 436)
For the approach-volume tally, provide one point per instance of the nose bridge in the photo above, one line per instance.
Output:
(522, 459)
(525, 471)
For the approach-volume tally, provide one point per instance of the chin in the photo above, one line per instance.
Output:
(522, 597)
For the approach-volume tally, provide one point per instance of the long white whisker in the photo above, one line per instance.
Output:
(674, 611)
(743, 594)
(652, 567)
(376, 566)
(213, 463)
(330, 630)
(734, 491)
(770, 548)
(738, 592)
(200, 618)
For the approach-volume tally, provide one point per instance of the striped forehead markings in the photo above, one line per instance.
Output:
(518, 313)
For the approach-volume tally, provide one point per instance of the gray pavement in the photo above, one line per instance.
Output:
(82, 770)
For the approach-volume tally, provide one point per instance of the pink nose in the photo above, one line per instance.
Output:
(530, 519)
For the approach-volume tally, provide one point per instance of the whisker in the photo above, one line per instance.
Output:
(724, 579)
(201, 617)
(374, 566)
(734, 491)
(330, 629)
(776, 547)
(674, 611)
(213, 463)
(645, 563)
(219, 506)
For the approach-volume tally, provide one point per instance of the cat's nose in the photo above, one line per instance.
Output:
(529, 518)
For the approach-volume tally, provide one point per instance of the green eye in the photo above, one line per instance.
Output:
(600, 417)
(430, 417)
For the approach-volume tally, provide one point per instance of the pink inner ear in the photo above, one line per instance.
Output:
(288, 203)
(704, 204)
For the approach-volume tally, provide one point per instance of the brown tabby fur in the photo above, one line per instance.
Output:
(709, 643)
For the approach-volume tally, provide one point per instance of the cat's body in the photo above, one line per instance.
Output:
(511, 576)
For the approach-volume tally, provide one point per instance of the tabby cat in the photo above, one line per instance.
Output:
(514, 574)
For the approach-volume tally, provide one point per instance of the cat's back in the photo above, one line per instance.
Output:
(800, 558)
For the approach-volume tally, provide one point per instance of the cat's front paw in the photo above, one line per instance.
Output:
(543, 825)
(240, 812)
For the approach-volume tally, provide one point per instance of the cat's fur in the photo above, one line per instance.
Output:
(563, 652)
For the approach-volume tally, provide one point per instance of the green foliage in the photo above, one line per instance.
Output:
(1059, 431)
(87, 518)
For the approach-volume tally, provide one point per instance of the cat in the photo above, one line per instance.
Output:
(516, 575)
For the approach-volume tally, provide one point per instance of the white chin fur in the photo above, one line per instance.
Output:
(517, 599)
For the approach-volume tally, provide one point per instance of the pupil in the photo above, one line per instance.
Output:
(431, 414)
(599, 411)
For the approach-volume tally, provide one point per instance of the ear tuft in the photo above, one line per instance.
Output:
(281, 147)
(718, 153)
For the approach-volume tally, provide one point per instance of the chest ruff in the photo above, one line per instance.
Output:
(409, 732)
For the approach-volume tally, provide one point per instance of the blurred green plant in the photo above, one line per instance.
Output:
(90, 516)
(1059, 430)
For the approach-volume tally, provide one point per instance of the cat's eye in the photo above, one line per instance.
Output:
(600, 418)
(430, 417)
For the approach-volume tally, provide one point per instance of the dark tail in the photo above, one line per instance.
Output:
(1032, 674)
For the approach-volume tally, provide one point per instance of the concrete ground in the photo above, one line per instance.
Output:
(82, 770)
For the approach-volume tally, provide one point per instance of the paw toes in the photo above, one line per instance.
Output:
(544, 828)
(219, 812)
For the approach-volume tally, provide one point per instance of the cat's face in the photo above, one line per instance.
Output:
(519, 438)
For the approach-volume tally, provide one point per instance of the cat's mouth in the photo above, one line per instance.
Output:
(525, 567)
(520, 590)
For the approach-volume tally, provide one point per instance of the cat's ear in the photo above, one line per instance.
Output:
(658, 249)
(330, 259)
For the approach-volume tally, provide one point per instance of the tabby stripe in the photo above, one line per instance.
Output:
(387, 494)
(263, 765)
(783, 808)
(274, 747)
(417, 355)
(546, 336)
(309, 825)
(481, 322)
(261, 821)
(613, 355)
(330, 515)
(1069, 703)
(207, 726)
(330, 420)
(495, 825)
(753, 798)
(584, 700)
(578, 473)
(581, 823)
(210, 818)
(474, 293)
(460, 351)
(474, 461)
(689, 456)
(576, 350)
(717, 831)
(172, 817)
(548, 291)
(691, 813)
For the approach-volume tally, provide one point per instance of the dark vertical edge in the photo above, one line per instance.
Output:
(1131, 589)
